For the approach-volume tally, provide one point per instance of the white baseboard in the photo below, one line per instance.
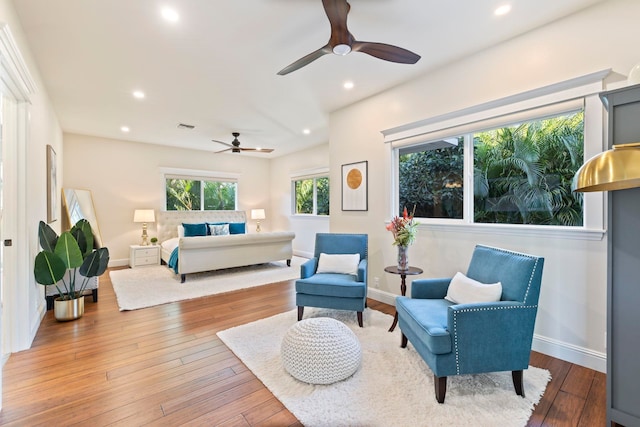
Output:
(571, 353)
(382, 296)
(119, 262)
(549, 346)
(303, 254)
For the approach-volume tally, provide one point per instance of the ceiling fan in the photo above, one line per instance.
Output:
(342, 41)
(234, 147)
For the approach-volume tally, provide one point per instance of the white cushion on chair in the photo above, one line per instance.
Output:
(338, 263)
(464, 290)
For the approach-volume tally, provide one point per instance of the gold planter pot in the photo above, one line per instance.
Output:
(64, 310)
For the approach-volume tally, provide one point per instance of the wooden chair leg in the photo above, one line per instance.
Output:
(517, 382)
(404, 341)
(360, 319)
(441, 387)
(300, 312)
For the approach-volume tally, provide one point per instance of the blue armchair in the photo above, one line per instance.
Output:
(329, 289)
(470, 338)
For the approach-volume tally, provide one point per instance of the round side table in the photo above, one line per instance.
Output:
(412, 271)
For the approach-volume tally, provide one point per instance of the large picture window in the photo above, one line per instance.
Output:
(505, 166)
(311, 196)
(522, 173)
(185, 194)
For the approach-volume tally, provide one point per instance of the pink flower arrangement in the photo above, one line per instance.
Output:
(403, 228)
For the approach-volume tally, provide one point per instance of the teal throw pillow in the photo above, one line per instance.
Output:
(191, 230)
(237, 228)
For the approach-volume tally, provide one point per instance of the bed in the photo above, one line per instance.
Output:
(194, 254)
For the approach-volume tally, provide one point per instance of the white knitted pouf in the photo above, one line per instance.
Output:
(320, 351)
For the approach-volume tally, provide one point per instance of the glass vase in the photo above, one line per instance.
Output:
(403, 258)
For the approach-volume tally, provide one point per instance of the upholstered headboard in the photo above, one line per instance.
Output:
(168, 221)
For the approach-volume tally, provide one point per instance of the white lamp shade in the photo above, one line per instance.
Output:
(257, 214)
(144, 215)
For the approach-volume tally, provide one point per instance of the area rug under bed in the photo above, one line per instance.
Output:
(142, 287)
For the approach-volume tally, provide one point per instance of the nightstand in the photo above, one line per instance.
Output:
(143, 255)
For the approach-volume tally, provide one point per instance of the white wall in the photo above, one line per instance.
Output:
(572, 315)
(305, 227)
(124, 176)
(24, 298)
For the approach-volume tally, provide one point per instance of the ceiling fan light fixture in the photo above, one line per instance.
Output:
(342, 49)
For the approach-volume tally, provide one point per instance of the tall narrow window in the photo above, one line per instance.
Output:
(311, 196)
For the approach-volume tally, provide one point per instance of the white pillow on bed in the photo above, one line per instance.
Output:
(338, 263)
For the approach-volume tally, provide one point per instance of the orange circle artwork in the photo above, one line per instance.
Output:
(354, 179)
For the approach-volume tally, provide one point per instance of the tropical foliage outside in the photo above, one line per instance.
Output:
(188, 194)
(522, 175)
(304, 195)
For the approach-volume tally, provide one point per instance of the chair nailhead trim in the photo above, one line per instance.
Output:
(469, 310)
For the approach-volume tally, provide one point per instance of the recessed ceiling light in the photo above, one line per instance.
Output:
(348, 85)
(170, 15)
(138, 94)
(502, 10)
(125, 129)
(306, 131)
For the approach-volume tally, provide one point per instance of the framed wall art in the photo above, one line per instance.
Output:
(355, 186)
(52, 186)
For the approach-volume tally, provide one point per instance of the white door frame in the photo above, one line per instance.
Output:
(17, 87)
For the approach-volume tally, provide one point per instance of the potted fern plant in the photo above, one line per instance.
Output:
(67, 262)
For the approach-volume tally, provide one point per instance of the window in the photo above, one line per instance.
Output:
(311, 195)
(194, 194)
(432, 179)
(522, 173)
(505, 166)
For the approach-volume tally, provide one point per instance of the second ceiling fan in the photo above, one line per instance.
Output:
(342, 41)
(234, 147)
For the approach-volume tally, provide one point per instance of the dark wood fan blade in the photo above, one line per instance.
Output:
(258, 150)
(305, 60)
(386, 52)
(223, 143)
(222, 151)
(337, 11)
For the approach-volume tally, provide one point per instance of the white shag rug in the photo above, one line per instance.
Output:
(154, 285)
(392, 387)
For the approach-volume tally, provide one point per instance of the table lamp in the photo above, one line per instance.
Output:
(144, 216)
(257, 214)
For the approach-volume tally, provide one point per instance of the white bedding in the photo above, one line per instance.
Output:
(167, 248)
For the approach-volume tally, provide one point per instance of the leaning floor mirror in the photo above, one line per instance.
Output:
(79, 205)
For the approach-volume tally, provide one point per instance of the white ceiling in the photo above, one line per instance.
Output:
(216, 67)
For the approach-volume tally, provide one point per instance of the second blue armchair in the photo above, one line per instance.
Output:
(456, 338)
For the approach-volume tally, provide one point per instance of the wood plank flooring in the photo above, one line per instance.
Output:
(165, 365)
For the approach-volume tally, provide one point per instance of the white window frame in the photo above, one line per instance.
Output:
(555, 97)
(197, 175)
(308, 174)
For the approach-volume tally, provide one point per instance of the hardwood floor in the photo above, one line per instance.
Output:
(165, 365)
